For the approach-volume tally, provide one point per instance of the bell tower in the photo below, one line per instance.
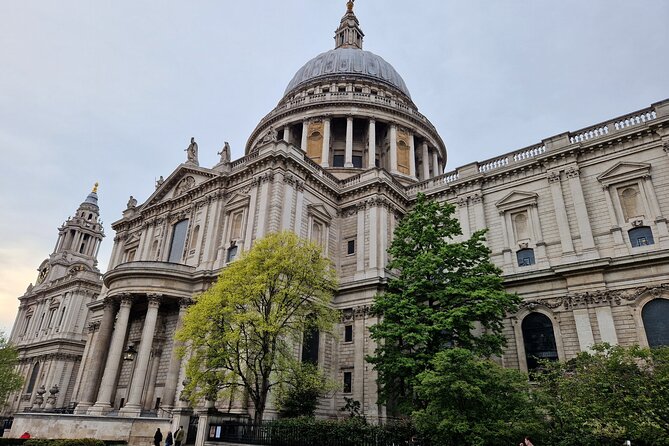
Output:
(52, 324)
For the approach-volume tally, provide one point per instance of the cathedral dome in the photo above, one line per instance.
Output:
(349, 62)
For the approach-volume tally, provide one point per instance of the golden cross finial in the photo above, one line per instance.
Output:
(349, 5)
(95, 188)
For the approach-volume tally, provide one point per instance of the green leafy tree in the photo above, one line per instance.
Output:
(445, 294)
(10, 380)
(474, 401)
(298, 396)
(608, 396)
(241, 332)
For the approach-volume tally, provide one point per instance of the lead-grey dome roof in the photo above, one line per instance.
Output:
(348, 61)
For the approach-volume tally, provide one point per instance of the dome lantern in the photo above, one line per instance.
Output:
(349, 34)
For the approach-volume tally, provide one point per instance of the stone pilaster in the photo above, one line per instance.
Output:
(393, 148)
(587, 241)
(560, 213)
(325, 156)
(169, 392)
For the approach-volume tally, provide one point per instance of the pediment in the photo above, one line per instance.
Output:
(624, 171)
(133, 239)
(183, 179)
(237, 200)
(319, 211)
(516, 199)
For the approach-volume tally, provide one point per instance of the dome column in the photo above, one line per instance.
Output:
(305, 130)
(286, 133)
(435, 163)
(371, 151)
(393, 148)
(325, 156)
(412, 156)
(348, 155)
(426, 161)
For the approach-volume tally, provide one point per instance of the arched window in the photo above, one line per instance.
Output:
(655, 315)
(33, 378)
(178, 241)
(641, 236)
(539, 340)
(525, 257)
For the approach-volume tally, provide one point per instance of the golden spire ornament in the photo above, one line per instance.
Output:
(95, 188)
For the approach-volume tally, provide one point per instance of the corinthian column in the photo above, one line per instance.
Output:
(412, 156)
(435, 163)
(175, 361)
(94, 369)
(103, 404)
(134, 408)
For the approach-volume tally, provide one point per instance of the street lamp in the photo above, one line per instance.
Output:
(129, 353)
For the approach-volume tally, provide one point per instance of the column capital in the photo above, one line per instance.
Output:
(185, 302)
(154, 299)
(553, 177)
(126, 299)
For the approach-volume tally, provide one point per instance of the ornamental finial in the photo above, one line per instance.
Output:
(349, 5)
(95, 188)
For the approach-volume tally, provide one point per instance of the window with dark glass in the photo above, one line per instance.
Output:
(641, 236)
(348, 382)
(350, 247)
(655, 315)
(178, 241)
(539, 340)
(357, 161)
(525, 257)
(310, 344)
(348, 333)
(33, 378)
(338, 161)
(232, 253)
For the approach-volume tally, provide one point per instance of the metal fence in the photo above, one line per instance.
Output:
(5, 423)
(277, 434)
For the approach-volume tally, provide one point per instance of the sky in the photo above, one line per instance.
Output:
(111, 91)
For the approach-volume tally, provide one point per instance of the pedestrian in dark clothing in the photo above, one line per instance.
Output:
(157, 438)
(168, 439)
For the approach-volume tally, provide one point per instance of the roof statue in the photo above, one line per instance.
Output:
(349, 5)
(95, 188)
(191, 152)
(225, 153)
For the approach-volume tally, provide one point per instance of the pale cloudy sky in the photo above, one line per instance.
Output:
(112, 91)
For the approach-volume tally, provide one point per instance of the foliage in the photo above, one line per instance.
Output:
(446, 294)
(241, 331)
(353, 408)
(347, 432)
(474, 401)
(10, 380)
(608, 396)
(298, 395)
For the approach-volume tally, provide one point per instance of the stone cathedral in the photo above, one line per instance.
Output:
(577, 222)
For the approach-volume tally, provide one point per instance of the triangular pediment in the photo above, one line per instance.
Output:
(237, 200)
(183, 179)
(320, 211)
(516, 199)
(624, 171)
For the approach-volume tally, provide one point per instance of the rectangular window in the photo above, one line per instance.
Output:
(348, 382)
(357, 161)
(348, 333)
(338, 161)
(232, 253)
(350, 247)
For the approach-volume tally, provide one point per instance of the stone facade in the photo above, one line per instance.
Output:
(576, 222)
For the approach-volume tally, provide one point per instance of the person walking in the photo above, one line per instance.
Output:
(168, 440)
(179, 436)
(157, 438)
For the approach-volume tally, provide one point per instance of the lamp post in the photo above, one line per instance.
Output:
(130, 353)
